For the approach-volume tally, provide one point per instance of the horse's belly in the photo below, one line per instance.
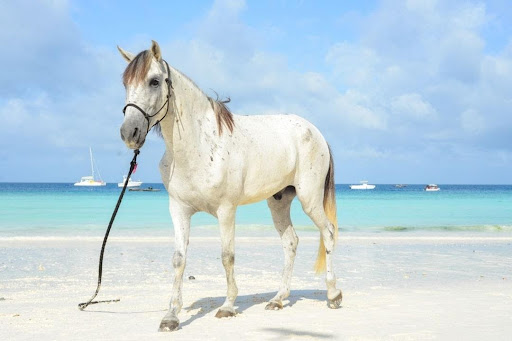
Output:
(267, 178)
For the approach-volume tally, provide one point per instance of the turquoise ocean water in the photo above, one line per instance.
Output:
(60, 209)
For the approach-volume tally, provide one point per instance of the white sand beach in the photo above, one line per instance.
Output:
(398, 288)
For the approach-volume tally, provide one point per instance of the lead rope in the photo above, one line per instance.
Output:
(133, 165)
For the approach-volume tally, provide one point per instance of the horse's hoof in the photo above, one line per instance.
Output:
(225, 313)
(335, 303)
(168, 325)
(274, 306)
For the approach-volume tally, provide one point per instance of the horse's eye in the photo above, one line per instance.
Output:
(154, 82)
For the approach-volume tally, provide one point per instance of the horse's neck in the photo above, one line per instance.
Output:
(191, 115)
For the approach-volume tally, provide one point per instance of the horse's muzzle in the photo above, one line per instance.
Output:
(133, 136)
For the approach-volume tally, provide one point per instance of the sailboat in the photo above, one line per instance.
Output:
(89, 180)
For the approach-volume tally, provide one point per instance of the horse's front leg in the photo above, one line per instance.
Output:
(180, 215)
(226, 216)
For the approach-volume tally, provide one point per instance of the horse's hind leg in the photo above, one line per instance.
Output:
(312, 204)
(279, 206)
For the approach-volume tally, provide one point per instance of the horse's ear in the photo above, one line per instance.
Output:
(155, 49)
(126, 55)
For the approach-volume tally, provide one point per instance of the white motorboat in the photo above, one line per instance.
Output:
(131, 183)
(362, 185)
(432, 188)
(89, 180)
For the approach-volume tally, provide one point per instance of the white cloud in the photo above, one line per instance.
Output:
(232, 7)
(421, 5)
(472, 122)
(364, 152)
(55, 83)
(469, 16)
(497, 74)
(355, 109)
(40, 42)
(354, 65)
(412, 105)
(425, 62)
(461, 55)
(13, 114)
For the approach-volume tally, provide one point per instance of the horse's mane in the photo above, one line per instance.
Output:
(137, 70)
(222, 114)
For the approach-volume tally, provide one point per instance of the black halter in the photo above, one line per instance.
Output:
(148, 117)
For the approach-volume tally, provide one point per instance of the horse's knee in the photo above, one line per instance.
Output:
(228, 259)
(178, 260)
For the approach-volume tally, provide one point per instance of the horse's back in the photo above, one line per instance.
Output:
(284, 134)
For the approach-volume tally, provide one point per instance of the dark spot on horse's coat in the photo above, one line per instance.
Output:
(191, 277)
(211, 158)
(307, 136)
(328, 252)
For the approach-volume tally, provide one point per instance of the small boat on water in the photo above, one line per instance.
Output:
(89, 180)
(131, 183)
(400, 186)
(149, 189)
(362, 185)
(432, 188)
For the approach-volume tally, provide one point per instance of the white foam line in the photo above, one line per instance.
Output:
(252, 239)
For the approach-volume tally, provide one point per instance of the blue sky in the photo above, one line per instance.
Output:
(414, 91)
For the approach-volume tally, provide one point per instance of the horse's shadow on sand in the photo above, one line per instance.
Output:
(206, 305)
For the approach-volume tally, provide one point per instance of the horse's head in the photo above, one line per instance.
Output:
(148, 90)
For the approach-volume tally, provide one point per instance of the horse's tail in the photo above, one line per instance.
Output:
(330, 211)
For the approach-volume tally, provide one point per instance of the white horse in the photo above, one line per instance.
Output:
(215, 161)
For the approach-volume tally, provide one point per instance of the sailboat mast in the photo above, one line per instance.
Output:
(92, 166)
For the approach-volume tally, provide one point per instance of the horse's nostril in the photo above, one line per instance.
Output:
(135, 132)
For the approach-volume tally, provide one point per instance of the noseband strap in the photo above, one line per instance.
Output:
(166, 104)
